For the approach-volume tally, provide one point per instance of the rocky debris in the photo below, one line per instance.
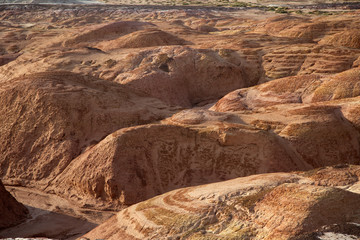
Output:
(268, 206)
(50, 118)
(11, 211)
(336, 176)
(343, 85)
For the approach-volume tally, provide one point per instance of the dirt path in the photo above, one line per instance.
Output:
(52, 216)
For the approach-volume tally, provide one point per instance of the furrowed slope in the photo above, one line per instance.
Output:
(270, 206)
(50, 118)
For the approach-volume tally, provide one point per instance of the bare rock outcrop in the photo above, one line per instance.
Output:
(11, 211)
(268, 206)
(48, 119)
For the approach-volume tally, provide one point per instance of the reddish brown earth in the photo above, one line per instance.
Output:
(103, 107)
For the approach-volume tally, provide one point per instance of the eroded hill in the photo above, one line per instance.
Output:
(103, 107)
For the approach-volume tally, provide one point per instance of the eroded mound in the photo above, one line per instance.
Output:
(184, 76)
(296, 89)
(105, 32)
(285, 90)
(275, 25)
(307, 29)
(342, 85)
(141, 39)
(11, 211)
(149, 160)
(271, 206)
(50, 118)
(321, 133)
(201, 146)
(349, 38)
